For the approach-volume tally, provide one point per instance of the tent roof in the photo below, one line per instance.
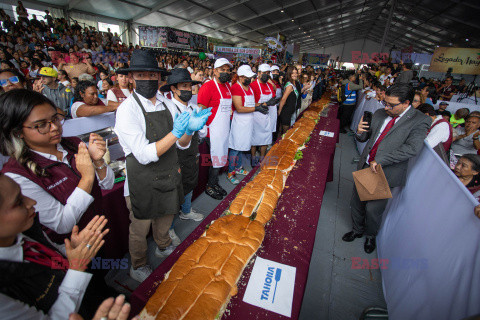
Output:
(423, 24)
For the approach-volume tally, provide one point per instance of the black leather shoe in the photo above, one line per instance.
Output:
(213, 193)
(350, 236)
(220, 190)
(369, 245)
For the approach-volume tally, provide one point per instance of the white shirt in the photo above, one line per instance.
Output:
(54, 215)
(131, 129)
(384, 77)
(66, 83)
(440, 133)
(78, 104)
(70, 292)
(112, 97)
(202, 133)
(385, 122)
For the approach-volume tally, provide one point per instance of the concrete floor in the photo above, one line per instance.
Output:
(334, 290)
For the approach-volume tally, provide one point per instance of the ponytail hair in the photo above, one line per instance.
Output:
(15, 107)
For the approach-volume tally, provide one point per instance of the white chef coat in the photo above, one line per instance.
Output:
(70, 292)
(202, 133)
(131, 129)
(54, 215)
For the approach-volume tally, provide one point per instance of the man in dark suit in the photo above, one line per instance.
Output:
(397, 134)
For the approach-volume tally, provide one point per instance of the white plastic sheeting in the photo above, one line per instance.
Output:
(431, 239)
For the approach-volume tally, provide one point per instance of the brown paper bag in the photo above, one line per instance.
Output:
(370, 185)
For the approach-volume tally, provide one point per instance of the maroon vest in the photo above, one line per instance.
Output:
(448, 143)
(119, 94)
(60, 182)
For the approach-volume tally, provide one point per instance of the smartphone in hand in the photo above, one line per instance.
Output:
(367, 117)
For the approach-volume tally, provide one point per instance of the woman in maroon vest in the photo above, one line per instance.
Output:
(40, 281)
(121, 91)
(61, 174)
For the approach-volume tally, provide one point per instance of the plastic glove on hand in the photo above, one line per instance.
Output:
(198, 120)
(180, 124)
(273, 101)
(261, 108)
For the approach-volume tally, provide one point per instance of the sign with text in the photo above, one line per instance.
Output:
(364, 57)
(461, 60)
(178, 39)
(314, 58)
(152, 37)
(249, 51)
(271, 286)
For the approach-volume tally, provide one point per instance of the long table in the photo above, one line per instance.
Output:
(289, 236)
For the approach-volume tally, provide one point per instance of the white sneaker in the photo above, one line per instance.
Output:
(165, 252)
(192, 215)
(140, 274)
(175, 239)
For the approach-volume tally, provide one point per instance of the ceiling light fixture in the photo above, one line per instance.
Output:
(282, 11)
(466, 39)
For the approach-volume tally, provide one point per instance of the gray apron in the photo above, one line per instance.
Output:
(188, 160)
(155, 188)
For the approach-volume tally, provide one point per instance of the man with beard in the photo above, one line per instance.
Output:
(396, 134)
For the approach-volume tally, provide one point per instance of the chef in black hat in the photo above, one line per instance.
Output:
(180, 84)
(149, 130)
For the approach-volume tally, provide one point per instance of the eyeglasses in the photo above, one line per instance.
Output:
(389, 105)
(45, 126)
(12, 80)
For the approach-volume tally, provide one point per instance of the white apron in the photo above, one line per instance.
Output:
(262, 129)
(219, 131)
(242, 126)
(273, 111)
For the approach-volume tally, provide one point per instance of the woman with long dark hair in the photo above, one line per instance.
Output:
(288, 103)
(61, 174)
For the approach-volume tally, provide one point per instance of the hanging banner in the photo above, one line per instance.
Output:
(152, 37)
(198, 42)
(178, 39)
(315, 58)
(461, 60)
(251, 51)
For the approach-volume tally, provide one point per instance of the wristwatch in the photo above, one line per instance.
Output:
(101, 167)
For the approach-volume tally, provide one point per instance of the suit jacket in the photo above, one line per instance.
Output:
(402, 142)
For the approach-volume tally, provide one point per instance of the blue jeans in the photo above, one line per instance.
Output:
(187, 204)
(234, 160)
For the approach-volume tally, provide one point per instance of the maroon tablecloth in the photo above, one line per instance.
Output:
(290, 235)
(115, 210)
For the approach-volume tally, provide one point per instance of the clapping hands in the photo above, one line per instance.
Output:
(197, 120)
(180, 124)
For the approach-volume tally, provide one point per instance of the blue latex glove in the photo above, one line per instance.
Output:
(180, 124)
(198, 120)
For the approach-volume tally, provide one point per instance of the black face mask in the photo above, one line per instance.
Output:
(224, 77)
(275, 76)
(264, 77)
(147, 88)
(185, 95)
(247, 82)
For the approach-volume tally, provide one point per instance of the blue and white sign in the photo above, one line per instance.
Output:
(271, 286)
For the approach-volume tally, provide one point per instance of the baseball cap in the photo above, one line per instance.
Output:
(263, 67)
(48, 72)
(245, 71)
(221, 62)
(443, 103)
(274, 67)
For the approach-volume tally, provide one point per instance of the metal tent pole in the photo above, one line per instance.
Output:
(387, 26)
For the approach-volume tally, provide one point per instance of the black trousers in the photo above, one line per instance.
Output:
(212, 172)
(345, 114)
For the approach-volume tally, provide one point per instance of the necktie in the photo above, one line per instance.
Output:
(373, 152)
(38, 253)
